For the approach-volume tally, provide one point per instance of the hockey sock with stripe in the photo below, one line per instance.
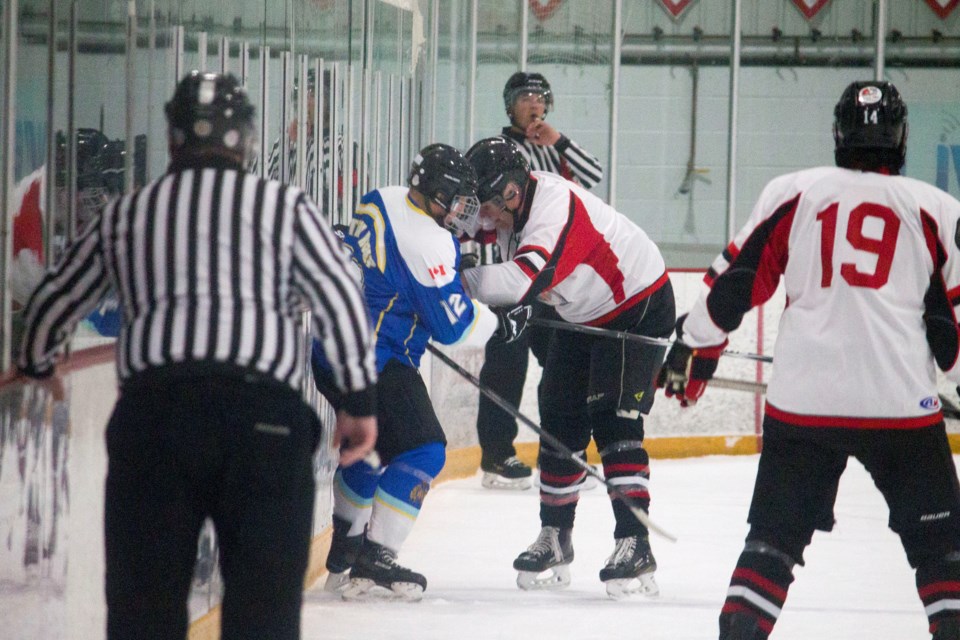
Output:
(400, 493)
(938, 584)
(758, 589)
(353, 490)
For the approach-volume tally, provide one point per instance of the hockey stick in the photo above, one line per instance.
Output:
(625, 335)
(638, 511)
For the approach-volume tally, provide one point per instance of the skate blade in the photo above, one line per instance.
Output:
(336, 582)
(550, 580)
(364, 590)
(493, 481)
(643, 585)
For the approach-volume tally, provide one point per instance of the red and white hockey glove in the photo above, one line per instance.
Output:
(687, 370)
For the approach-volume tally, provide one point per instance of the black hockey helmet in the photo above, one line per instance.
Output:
(210, 113)
(441, 173)
(870, 126)
(522, 82)
(497, 162)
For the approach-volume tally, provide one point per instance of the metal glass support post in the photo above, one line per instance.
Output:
(131, 95)
(734, 106)
(49, 195)
(10, 31)
(301, 107)
(264, 86)
(70, 158)
(377, 93)
(244, 63)
(286, 92)
(614, 101)
(472, 77)
(348, 161)
(434, 65)
(524, 34)
(335, 142)
(178, 37)
(152, 50)
(317, 116)
(881, 39)
(224, 55)
(202, 51)
(393, 128)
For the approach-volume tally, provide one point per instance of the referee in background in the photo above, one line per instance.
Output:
(528, 99)
(213, 268)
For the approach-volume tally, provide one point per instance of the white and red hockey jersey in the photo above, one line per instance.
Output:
(871, 266)
(575, 253)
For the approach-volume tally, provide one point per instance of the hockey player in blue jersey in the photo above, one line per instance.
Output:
(404, 240)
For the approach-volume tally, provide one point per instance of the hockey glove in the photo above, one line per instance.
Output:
(687, 370)
(468, 261)
(512, 321)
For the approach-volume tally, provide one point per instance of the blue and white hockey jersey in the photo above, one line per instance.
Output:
(410, 279)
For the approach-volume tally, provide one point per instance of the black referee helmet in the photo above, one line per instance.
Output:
(210, 114)
(522, 82)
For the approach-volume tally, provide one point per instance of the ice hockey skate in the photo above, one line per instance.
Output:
(551, 552)
(507, 474)
(630, 569)
(376, 575)
(342, 555)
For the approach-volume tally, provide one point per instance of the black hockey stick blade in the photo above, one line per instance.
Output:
(639, 512)
(626, 335)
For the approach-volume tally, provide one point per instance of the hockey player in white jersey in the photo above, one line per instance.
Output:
(871, 266)
(565, 247)
(403, 239)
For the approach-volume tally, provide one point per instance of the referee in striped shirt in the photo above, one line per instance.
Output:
(213, 268)
(528, 99)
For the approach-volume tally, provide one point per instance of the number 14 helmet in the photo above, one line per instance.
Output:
(870, 127)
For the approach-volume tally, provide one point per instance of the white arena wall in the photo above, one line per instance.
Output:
(53, 466)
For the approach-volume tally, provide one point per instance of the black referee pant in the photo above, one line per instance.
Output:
(236, 450)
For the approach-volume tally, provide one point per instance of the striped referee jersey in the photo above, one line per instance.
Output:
(565, 158)
(213, 268)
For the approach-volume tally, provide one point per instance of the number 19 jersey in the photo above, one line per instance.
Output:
(871, 268)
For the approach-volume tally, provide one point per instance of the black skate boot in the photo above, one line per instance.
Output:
(342, 555)
(376, 566)
(630, 569)
(552, 551)
(505, 474)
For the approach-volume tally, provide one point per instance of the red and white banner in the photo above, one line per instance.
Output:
(810, 8)
(943, 8)
(543, 9)
(26, 265)
(676, 7)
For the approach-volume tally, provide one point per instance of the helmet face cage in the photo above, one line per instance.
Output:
(210, 112)
(464, 216)
(870, 116)
(522, 83)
